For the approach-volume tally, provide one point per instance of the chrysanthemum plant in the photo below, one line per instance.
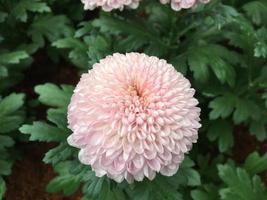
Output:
(220, 49)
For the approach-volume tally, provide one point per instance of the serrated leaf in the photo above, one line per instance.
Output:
(52, 95)
(137, 33)
(260, 49)
(3, 16)
(239, 186)
(58, 154)
(6, 141)
(162, 189)
(21, 8)
(198, 64)
(5, 167)
(2, 188)
(86, 28)
(222, 131)
(78, 54)
(255, 163)
(68, 184)
(187, 174)
(200, 60)
(3, 72)
(244, 110)
(69, 43)
(193, 177)
(40, 131)
(65, 181)
(11, 103)
(13, 57)
(10, 123)
(224, 71)
(51, 27)
(58, 117)
(257, 10)
(222, 106)
(258, 128)
(209, 192)
(93, 188)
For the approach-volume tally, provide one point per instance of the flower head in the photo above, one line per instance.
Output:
(132, 116)
(183, 4)
(108, 5)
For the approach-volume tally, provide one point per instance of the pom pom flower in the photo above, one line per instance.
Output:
(108, 5)
(132, 116)
(183, 4)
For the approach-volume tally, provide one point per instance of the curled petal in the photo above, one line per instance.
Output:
(133, 116)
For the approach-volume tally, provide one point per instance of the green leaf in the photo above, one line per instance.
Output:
(58, 117)
(222, 131)
(224, 71)
(163, 189)
(21, 8)
(244, 109)
(2, 188)
(134, 34)
(10, 123)
(257, 10)
(222, 106)
(193, 177)
(140, 191)
(11, 103)
(52, 95)
(65, 181)
(86, 28)
(58, 154)
(220, 62)
(260, 49)
(78, 54)
(40, 131)
(6, 141)
(239, 185)
(264, 96)
(69, 43)
(187, 174)
(258, 128)
(255, 163)
(198, 65)
(5, 167)
(3, 72)
(99, 47)
(94, 187)
(50, 27)
(10, 119)
(13, 57)
(3, 16)
(209, 192)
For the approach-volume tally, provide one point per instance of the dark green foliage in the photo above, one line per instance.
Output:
(239, 185)
(220, 47)
(11, 117)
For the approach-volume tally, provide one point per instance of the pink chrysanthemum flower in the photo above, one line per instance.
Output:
(183, 4)
(132, 116)
(108, 5)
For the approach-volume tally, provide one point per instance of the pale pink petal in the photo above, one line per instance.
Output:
(109, 5)
(133, 116)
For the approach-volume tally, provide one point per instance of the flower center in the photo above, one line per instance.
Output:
(133, 91)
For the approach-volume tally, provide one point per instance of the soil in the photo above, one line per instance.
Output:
(245, 143)
(30, 175)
